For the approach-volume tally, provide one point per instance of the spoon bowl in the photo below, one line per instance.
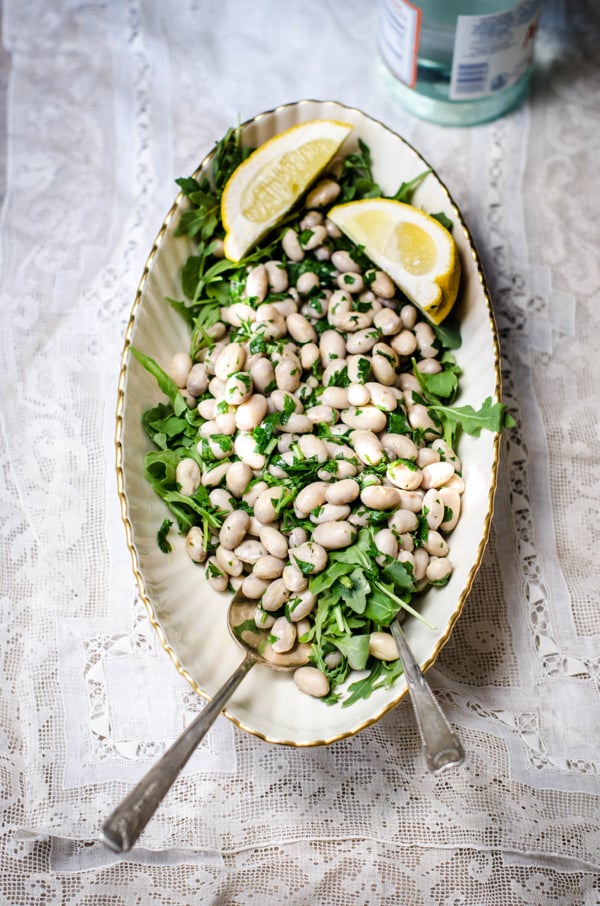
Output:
(122, 828)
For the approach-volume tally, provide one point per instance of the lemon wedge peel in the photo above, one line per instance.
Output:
(262, 189)
(413, 248)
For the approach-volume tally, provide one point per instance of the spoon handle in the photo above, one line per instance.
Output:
(122, 828)
(442, 747)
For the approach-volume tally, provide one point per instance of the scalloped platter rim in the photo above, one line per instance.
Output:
(190, 617)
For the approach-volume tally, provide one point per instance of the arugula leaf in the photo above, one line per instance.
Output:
(166, 383)
(355, 648)
(491, 417)
(161, 537)
(444, 220)
(407, 189)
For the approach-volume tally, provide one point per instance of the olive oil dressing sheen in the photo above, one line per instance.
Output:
(459, 62)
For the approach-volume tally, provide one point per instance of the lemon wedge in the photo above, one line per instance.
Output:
(417, 252)
(267, 184)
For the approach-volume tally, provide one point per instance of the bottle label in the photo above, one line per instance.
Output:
(494, 51)
(399, 39)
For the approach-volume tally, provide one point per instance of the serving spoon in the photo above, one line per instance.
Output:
(123, 827)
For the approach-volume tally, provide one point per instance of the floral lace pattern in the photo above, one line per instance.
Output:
(107, 104)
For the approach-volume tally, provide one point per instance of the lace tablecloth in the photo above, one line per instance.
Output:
(103, 106)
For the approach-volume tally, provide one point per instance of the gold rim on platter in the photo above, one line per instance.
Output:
(150, 591)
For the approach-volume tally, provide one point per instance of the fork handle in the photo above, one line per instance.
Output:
(122, 828)
(441, 746)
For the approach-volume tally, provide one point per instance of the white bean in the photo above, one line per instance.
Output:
(251, 412)
(238, 313)
(245, 448)
(250, 551)
(221, 498)
(299, 424)
(313, 448)
(285, 634)
(252, 493)
(294, 579)
(382, 285)
(399, 445)
(404, 343)
(323, 415)
(310, 552)
(291, 245)
(228, 562)
(334, 535)
(367, 418)
(382, 645)
(388, 322)
(358, 394)
(323, 194)
(351, 283)
(257, 283)
(426, 456)
(180, 367)
(336, 397)
(277, 276)
(306, 283)
(188, 476)
(433, 503)
(216, 578)
(301, 329)
(231, 359)
(317, 238)
(264, 506)
(234, 529)
(288, 372)
(268, 567)
(262, 619)
(367, 447)
(361, 341)
(297, 536)
(194, 544)
(381, 396)
(342, 492)
(313, 495)
(344, 262)
(438, 569)
(421, 561)
(311, 681)
(332, 346)
(404, 476)
(380, 497)
(330, 512)
(253, 587)
(419, 417)
(408, 313)
(274, 542)
(301, 605)
(403, 521)
(451, 500)
(197, 380)
(275, 596)
(437, 474)
(262, 374)
(386, 542)
(207, 408)
(309, 354)
(429, 366)
(359, 369)
(436, 545)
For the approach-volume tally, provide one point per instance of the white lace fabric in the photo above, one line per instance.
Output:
(105, 105)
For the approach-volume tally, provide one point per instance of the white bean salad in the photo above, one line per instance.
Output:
(306, 451)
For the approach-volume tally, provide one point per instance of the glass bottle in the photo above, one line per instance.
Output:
(459, 62)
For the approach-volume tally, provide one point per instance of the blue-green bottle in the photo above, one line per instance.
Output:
(459, 62)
